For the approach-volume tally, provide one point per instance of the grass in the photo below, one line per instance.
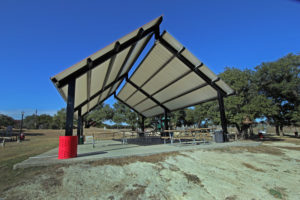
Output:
(277, 192)
(36, 142)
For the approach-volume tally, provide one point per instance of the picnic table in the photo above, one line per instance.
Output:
(196, 134)
(124, 136)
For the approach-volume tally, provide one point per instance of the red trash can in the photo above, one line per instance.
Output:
(67, 147)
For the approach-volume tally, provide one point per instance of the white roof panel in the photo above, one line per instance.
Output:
(108, 66)
(192, 98)
(170, 77)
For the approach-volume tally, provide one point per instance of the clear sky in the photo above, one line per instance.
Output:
(38, 39)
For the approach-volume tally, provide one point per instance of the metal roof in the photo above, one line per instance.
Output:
(98, 76)
(170, 78)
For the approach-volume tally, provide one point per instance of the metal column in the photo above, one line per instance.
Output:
(70, 108)
(166, 120)
(222, 115)
(81, 131)
(79, 126)
(143, 124)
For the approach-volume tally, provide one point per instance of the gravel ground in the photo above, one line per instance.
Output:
(269, 171)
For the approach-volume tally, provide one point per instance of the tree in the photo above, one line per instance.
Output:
(100, 114)
(124, 114)
(30, 121)
(206, 112)
(6, 120)
(190, 116)
(279, 81)
(178, 118)
(59, 119)
(246, 103)
(45, 121)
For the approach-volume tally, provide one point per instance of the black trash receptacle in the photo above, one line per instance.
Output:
(218, 136)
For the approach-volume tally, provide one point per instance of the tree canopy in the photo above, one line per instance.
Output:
(6, 120)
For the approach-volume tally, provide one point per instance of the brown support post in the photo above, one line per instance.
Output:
(70, 108)
(222, 115)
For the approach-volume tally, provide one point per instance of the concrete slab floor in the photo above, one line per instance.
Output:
(115, 149)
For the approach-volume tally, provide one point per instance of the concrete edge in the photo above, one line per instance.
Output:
(24, 165)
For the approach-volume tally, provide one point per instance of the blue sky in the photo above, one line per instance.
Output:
(38, 39)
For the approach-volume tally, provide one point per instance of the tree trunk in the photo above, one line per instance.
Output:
(244, 131)
(277, 130)
(238, 131)
(198, 124)
(281, 131)
(251, 132)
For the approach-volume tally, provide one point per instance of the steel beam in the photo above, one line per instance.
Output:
(139, 35)
(169, 84)
(110, 65)
(99, 92)
(191, 65)
(70, 108)
(189, 91)
(127, 105)
(88, 80)
(117, 77)
(148, 53)
(174, 81)
(146, 94)
(96, 105)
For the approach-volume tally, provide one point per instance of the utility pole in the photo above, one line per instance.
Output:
(21, 126)
(35, 123)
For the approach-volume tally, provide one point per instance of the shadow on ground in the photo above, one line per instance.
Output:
(143, 141)
(34, 134)
(266, 138)
(91, 153)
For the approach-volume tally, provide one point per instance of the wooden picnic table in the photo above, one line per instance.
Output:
(200, 134)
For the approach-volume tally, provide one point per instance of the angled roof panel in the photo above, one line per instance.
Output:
(126, 92)
(181, 86)
(157, 110)
(151, 64)
(199, 95)
(99, 75)
(172, 71)
(144, 105)
(134, 99)
(225, 87)
(169, 78)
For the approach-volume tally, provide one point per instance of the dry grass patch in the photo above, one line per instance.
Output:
(256, 149)
(155, 158)
(234, 197)
(289, 148)
(134, 193)
(193, 178)
(252, 167)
